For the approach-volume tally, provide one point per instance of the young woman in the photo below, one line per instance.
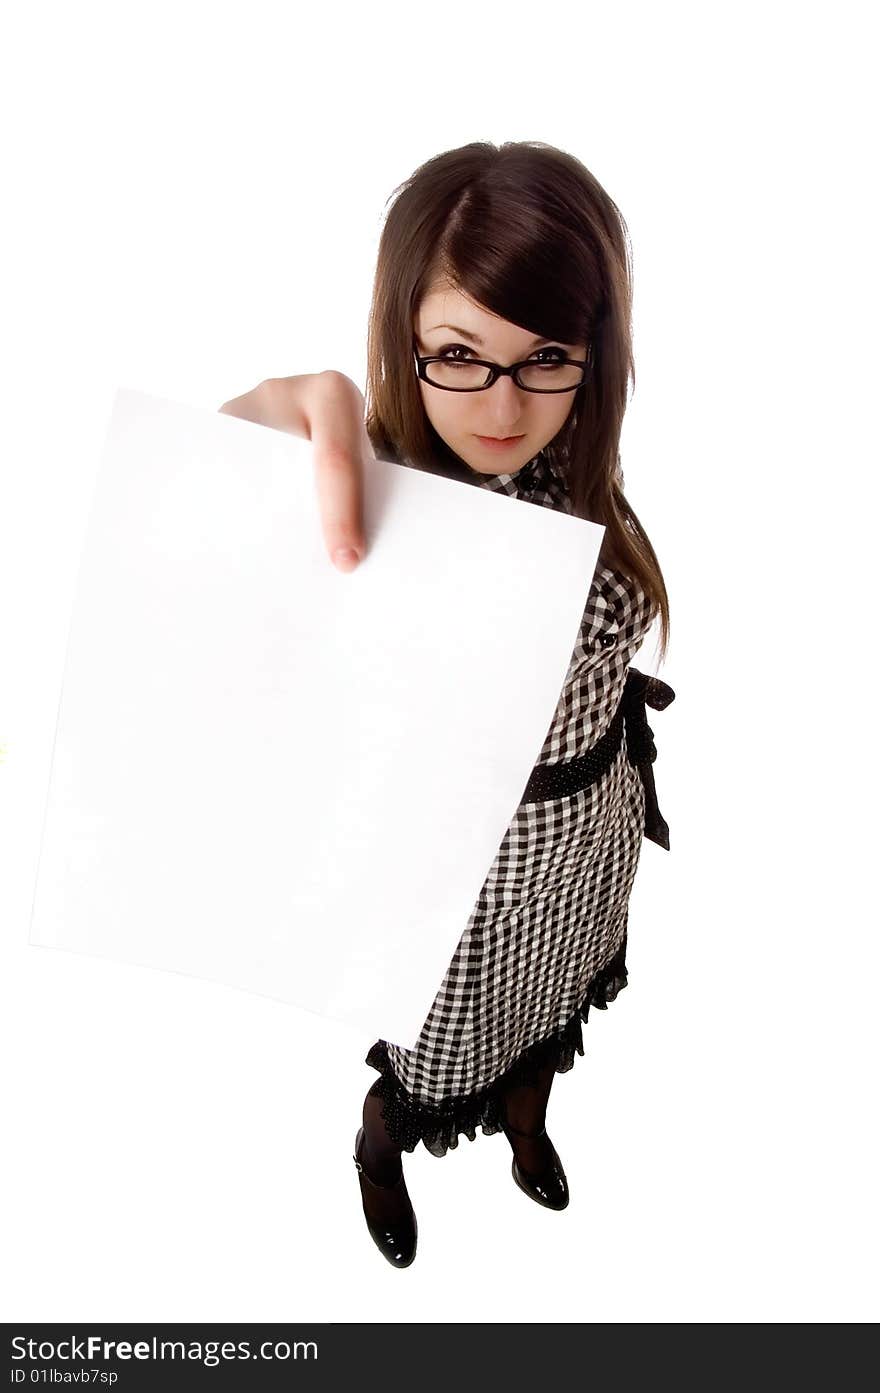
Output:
(499, 355)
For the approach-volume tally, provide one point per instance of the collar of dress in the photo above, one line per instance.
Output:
(537, 472)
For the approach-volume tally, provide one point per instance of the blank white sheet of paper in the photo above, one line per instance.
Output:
(272, 774)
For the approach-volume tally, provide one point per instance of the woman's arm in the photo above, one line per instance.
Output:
(328, 409)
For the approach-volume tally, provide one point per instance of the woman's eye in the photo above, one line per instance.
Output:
(453, 352)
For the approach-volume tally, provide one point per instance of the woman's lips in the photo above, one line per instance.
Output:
(493, 443)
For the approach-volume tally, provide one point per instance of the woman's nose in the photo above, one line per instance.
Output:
(505, 405)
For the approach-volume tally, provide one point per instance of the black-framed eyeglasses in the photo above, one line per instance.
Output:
(477, 374)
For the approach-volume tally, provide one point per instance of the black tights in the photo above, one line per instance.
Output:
(525, 1109)
(379, 1154)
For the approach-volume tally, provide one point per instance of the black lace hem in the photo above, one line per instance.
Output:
(408, 1122)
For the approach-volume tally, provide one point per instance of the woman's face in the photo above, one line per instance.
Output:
(461, 418)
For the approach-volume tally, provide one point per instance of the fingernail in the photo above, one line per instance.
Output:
(345, 559)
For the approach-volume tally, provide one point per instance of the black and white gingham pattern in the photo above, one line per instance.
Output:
(553, 908)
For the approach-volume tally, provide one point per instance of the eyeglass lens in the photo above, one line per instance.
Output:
(534, 376)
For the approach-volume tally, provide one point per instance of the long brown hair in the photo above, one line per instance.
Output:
(527, 232)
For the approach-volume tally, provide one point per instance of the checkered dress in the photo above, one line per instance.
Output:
(546, 938)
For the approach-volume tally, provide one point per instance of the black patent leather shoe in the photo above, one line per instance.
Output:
(394, 1237)
(550, 1188)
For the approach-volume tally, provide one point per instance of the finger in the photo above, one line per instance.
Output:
(341, 444)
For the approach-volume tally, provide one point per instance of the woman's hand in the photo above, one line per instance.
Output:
(328, 409)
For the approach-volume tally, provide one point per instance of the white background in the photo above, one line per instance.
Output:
(194, 194)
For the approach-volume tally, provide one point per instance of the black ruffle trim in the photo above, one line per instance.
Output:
(408, 1122)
